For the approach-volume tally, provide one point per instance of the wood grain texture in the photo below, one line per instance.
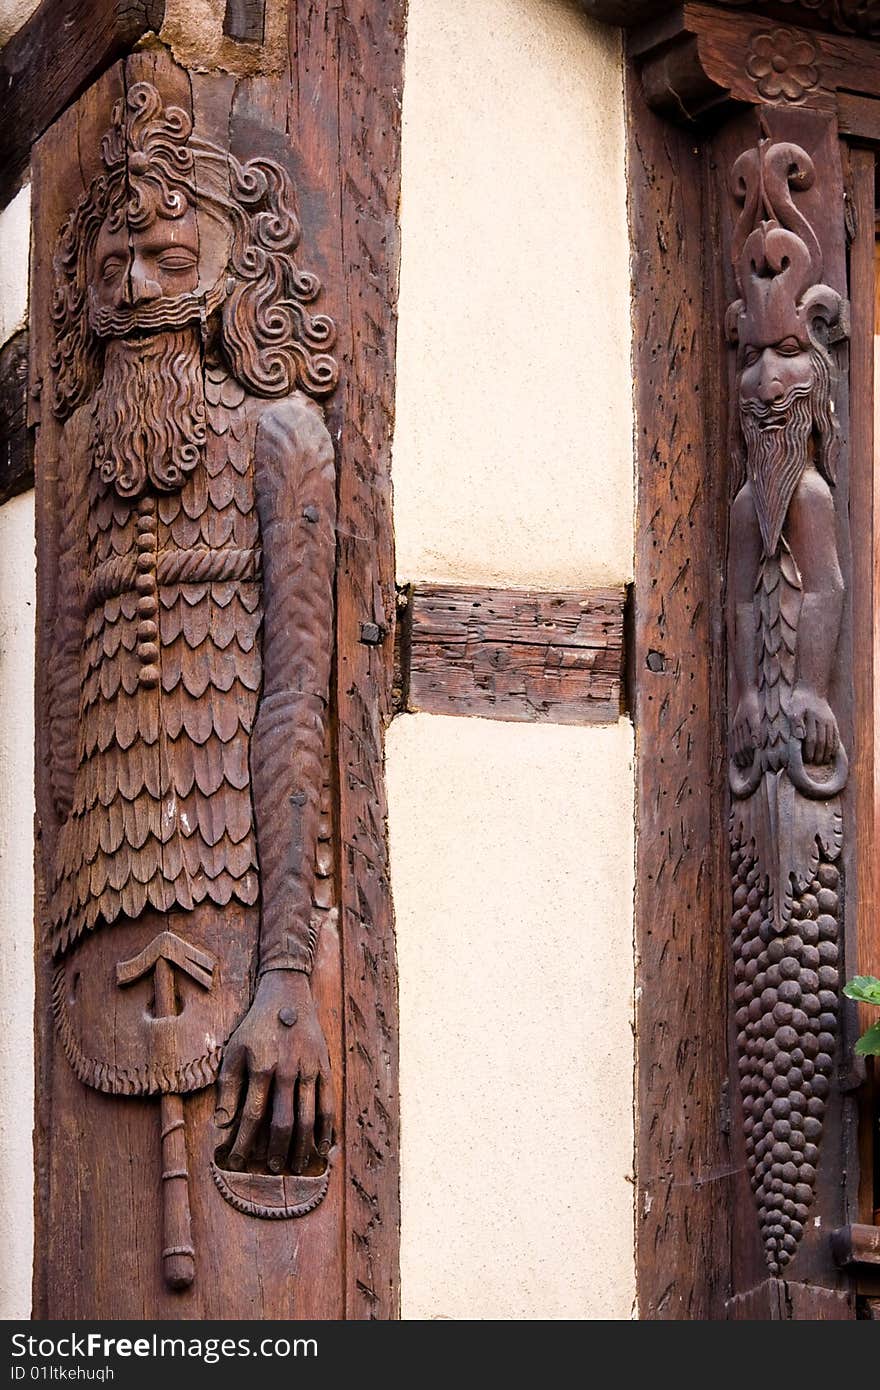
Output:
(779, 1300)
(63, 47)
(683, 1207)
(844, 16)
(697, 61)
(858, 1244)
(16, 446)
(245, 20)
(864, 939)
(341, 102)
(516, 654)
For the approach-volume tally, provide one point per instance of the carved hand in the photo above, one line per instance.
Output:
(812, 720)
(279, 1040)
(746, 729)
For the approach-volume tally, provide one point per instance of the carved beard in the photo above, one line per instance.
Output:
(149, 420)
(776, 456)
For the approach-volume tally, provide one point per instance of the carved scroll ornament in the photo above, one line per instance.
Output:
(188, 857)
(788, 765)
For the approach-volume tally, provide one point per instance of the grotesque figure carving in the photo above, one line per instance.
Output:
(189, 863)
(788, 764)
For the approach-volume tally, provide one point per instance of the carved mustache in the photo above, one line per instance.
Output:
(774, 414)
(159, 314)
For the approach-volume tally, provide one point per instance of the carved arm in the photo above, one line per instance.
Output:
(296, 503)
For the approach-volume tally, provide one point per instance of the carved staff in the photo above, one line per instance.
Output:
(160, 959)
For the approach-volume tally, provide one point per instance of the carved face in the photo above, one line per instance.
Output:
(772, 376)
(159, 276)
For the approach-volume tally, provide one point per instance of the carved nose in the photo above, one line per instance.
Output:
(143, 289)
(770, 389)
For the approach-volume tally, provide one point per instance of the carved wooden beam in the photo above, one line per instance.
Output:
(211, 332)
(63, 47)
(760, 104)
(16, 445)
(698, 63)
(861, 17)
(512, 653)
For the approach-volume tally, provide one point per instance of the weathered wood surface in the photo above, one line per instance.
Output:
(845, 16)
(245, 20)
(780, 1300)
(340, 103)
(63, 47)
(697, 61)
(515, 653)
(683, 1206)
(16, 447)
(858, 1244)
(863, 938)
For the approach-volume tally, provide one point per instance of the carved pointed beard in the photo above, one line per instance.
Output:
(777, 451)
(149, 421)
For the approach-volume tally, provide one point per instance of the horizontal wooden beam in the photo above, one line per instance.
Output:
(16, 446)
(514, 654)
(840, 16)
(858, 1244)
(61, 49)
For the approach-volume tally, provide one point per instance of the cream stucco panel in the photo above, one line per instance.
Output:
(17, 597)
(513, 440)
(15, 240)
(512, 868)
(13, 14)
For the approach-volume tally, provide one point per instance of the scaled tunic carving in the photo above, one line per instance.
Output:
(788, 765)
(190, 861)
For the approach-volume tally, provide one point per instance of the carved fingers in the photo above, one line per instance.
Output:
(277, 1063)
(813, 722)
(745, 734)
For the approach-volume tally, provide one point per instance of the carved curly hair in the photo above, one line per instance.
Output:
(155, 167)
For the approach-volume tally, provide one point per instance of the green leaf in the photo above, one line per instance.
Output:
(868, 1044)
(865, 988)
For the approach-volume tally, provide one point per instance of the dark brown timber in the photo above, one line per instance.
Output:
(16, 445)
(515, 653)
(248, 516)
(63, 47)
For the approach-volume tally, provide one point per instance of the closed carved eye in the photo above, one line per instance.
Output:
(789, 347)
(112, 267)
(751, 355)
(176, 258)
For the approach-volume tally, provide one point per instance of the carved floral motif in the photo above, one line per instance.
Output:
(783, 65)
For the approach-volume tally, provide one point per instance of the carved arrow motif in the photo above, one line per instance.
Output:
(169, 947)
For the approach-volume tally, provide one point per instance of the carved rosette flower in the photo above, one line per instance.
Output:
(783, 64)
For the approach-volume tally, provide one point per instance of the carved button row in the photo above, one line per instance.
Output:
(146, 586)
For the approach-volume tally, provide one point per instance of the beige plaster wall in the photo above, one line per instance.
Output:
(15, 236)
(13, 14)
(16, 902)
(511, 862)
(513, 444)
(512, 844)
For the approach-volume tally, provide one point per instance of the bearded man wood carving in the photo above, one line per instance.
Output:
(788, 765)
(190, 671)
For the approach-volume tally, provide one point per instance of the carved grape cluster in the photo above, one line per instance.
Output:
(786, 997)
